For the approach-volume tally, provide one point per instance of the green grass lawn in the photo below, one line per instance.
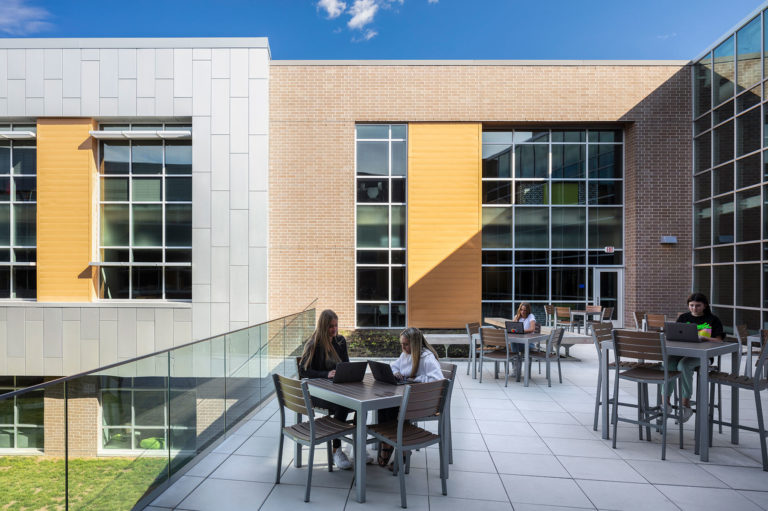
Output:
(103, 484)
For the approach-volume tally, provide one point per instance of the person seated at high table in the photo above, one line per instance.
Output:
(323, 350)
(417, 363)
(525, 316)
(710, 329)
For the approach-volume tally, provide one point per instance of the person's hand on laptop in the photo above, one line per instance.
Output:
(399, 376)
(331, 374)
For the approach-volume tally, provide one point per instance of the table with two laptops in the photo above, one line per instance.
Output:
(371, 393)
(703, 351)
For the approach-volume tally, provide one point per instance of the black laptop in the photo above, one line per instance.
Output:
(348, 372)
(383, 372)
(515, 327)
(685, 332)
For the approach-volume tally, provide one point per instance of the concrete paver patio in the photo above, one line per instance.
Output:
(514, 448)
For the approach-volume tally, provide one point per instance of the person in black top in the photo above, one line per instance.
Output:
(322, 351)
(711, 329)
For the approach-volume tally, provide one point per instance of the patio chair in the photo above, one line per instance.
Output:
(449, 373)
(472, 329)
(549, 312)
(638, 317)
(604, 332)
(756, 384)
(551, 352)
(592, 308)
(607, 316)
(294, 395)
(746, 347)
(655, 322)
(644, 346)
(563, 317)
(419, 401)
(494, 346)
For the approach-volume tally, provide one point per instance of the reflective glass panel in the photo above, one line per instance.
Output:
(372, 315)
(147, 225)
(178, 158)
(568, 284)
(497, 282)
(724, 71)
(605, 161)
(398, 283)
(372, 131)
(373, 158)
(722, 291)
(372, 283)
(748, 99)
(24, 158)
(24, 282)
(606, 192)
(147, 282)
(531, 192)
(605, 227)
(398, 190)
(26, 188)
(25, 225)
(748, 171)
(5, 157)
(702, 124)
(569, 192)
(723, 177)
(147, 157)
(147, 189)
(115, 157)
(531, 160)
(178, 225)
(5, 225)
(115, 282)
(723, 220)
(531, 283)
(605, 136)
(497, 160)
(520, 137)
(748, 54)
(399, 158)
(373, 190)
(701, 281)
(497, 227)
(178, 283)
(114, 225)
(114, 189)
(702, 150)
(5, 189)
(748, 132)
(702, 223)
(702, 186)
(568, 161)
(497, 192)
(702, 72)
(372, 226)
(398, 226)
(748, 215)
(569, 226)
(722, 142)
(531, 227)
(178, 189)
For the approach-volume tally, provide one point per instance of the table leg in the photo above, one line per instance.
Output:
(472, 356)
(604, 390)
(748, 366)
(297, 447)
(526, 362)
(361, 432)
(735, 400)
(702, 409)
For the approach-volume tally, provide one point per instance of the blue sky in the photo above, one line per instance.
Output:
(401, 29)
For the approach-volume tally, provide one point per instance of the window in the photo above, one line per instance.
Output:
(380, 220)
(18, 215)
(21, 417)
(552, 201)
(145, 217)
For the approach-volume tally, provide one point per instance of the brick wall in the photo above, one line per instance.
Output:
(313, 110)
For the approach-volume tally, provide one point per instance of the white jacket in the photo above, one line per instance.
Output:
(428, 370)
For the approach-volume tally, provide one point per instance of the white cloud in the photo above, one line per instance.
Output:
(666, 36)
(363, 12)
(19, 18)
(333, 8)
(432, 1)
(367, 36)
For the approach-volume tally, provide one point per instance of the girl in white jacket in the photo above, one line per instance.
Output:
(417, 363)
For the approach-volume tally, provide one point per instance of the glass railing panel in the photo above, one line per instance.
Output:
(32, 447)
(243, 374)
(197, 406)
(118, 434)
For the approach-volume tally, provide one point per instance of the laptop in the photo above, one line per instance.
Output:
(685, 332)
(515, 327)
(383, 372)
(348, 372)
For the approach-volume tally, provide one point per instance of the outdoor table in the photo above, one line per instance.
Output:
(525, 339)
(361, 397)
(703, 351)
(585, 314)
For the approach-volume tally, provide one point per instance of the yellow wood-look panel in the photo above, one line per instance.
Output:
(444, 224)
(66, 176)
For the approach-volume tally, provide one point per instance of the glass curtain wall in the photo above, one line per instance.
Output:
(21, 417)
(552, 202)
(18, 215)
(381, 168)
(728, 178)
(146, 217)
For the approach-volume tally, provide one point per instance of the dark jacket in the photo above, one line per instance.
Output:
(319, 366)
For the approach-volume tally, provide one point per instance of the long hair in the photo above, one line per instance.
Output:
(700, 297)
(418, 343)
(321, 340)
(522, 304)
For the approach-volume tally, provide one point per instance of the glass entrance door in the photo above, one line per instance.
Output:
(608, 291)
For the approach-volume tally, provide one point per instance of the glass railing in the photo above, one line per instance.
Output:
(114, 437)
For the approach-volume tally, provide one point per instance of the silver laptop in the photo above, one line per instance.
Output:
(515, 327)
(685, 332)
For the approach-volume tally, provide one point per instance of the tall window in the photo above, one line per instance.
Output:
(729, 178)
(18, 215)
(381, 173)
(552, 203)
(21, 417)
(146, 217)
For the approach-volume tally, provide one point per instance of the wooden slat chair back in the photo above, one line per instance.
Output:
(549, 311)
(419, 401)
(472, 329)
(644, 346)
(494, 346)
(607, 315)
(294, 395)
(638, 316)
(756, 383)
(594, 308)
(563, 317)
(655, 322)
(551, 352)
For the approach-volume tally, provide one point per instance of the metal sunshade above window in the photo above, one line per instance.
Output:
(17, 135)
(141, 134)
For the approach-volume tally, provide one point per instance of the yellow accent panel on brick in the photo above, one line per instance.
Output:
(444, 224)
(66, 176)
